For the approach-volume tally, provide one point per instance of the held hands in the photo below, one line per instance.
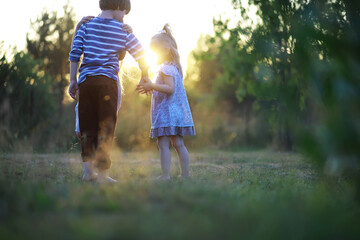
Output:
(145, 86)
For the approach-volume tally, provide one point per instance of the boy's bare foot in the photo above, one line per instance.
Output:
(89, 177)
(106, 179)
(103, 178)
(88, 172)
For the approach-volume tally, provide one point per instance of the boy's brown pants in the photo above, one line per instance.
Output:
(97, 119)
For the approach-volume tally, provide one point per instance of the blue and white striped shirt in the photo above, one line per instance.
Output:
(102, 41)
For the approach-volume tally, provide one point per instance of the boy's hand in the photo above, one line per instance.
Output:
(144, 80)
(127, 28)
(73, 88)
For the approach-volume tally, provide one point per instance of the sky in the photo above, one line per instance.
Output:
(188, 18)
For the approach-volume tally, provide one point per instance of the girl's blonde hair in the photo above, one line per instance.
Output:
(166, 39)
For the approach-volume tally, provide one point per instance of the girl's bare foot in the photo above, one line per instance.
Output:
(162, 178)
(184, 177)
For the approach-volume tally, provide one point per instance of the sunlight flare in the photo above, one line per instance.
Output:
(151, 59)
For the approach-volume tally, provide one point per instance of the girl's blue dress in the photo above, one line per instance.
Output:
(170, 113)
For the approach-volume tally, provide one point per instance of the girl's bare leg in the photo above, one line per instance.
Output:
(165, 156)
(178, 143)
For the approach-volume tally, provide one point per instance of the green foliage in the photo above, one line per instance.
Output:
(300, 64)
(334, 82)
(50, 41)
(32, 86)
(260, 60)
(222, 110)
(26, 98)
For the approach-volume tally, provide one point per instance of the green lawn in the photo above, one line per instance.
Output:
(232, 195)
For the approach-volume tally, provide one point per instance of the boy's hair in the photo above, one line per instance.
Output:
(115, 4)
(166, 39)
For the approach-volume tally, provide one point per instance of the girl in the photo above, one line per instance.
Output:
(170, 112)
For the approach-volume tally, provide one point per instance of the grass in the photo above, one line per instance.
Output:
(232, 195)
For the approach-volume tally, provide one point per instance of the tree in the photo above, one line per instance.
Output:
(331, 29)
(52, 43)
(214, 85)
(300, 62)
(26, 98)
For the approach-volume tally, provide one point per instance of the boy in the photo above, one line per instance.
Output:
(102, 42)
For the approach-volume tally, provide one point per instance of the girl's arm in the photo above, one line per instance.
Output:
(127, 28)
(83, 20)
(167, 87)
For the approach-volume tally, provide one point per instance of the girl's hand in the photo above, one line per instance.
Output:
(140, 87)
(86, 19)
(148, 86)
(127, 28)
(141, 90)
(145, 87)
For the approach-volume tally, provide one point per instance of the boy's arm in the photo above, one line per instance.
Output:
(134, 47)
(144, 68)
(144, 76)
(75, 55)
(73, 87)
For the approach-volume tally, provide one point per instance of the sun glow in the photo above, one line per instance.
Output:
(151, 59)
